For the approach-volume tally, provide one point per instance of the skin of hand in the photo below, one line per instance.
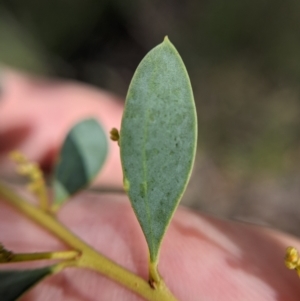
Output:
(36, 115)
(202, 258)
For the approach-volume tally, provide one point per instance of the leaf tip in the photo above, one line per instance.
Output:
(166, 39)
(167, 42)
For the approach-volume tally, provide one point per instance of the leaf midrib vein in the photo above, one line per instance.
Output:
(145, 185)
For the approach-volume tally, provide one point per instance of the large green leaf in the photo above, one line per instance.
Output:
(158, 140)
(14, 283)
(82, 155)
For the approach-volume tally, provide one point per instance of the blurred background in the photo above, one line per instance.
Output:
(243, 58)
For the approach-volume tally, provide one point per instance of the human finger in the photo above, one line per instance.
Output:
(37, 113)
(202, 258)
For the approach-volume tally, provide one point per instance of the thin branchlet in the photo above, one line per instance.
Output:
(85, 256)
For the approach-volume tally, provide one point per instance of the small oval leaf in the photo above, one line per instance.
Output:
(82, 155)
(158, 140)
(14, 283)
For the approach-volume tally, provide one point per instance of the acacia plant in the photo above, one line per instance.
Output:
(157, 143)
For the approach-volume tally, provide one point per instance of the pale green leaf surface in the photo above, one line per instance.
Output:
(82, 155)
(14, 283)
(158, 140)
